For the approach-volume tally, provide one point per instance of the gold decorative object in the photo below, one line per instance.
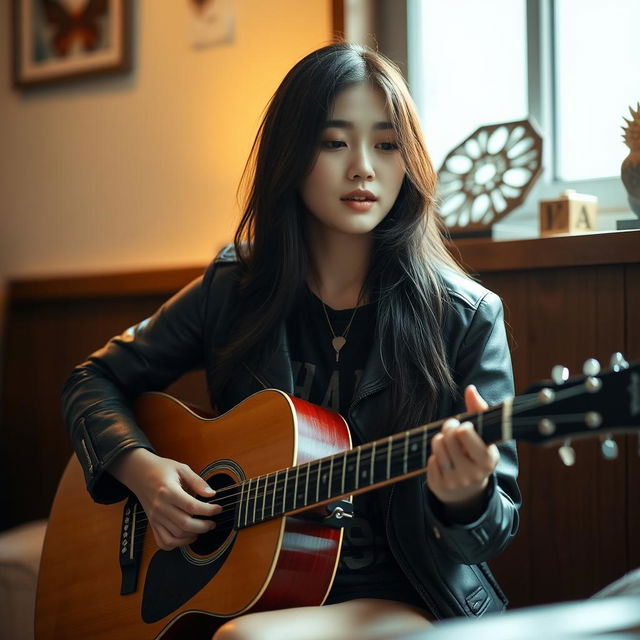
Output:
(488, 176)
(630, 170)
(571, 213)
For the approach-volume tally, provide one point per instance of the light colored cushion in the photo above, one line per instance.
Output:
(628, 585)
(20, 550)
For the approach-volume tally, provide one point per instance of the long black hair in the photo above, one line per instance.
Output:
(408, 253)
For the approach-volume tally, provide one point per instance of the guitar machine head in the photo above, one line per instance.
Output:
(595, 402)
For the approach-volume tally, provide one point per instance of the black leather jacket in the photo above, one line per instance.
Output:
(444, 560)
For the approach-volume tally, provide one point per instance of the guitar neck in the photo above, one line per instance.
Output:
(573, 408)
(363, 468)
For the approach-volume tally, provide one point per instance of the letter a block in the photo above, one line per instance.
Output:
(571, 213)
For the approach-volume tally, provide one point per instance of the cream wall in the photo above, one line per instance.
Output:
(141, 170)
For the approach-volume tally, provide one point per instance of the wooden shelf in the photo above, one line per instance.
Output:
(614, 247)
(479, 256)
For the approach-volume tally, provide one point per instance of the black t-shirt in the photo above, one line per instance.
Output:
(367, 568)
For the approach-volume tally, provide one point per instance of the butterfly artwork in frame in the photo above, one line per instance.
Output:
(55, 41)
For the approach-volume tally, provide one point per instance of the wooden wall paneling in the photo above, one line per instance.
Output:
(512, 288)
(84, 335)
(45, 340)
(20, 464)
(53, 326)
(632, 352)
(513, 567)
(563, 316)
(578, 537)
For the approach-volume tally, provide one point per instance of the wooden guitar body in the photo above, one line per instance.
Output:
(191, 591)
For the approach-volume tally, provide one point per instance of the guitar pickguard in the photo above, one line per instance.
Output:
(174, 577)
(172, 581)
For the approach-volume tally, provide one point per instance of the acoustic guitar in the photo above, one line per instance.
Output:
(284, 471)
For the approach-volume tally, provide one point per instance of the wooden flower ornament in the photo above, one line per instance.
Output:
(488, 176)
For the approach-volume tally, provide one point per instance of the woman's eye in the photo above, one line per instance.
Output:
(332, 144)
(388, 146)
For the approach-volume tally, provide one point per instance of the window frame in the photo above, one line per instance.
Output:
(541, 89)
(542, 93)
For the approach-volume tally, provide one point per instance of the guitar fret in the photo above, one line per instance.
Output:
(358, 467)
(344, 470)
(406, 452)
(479, 425)
(373, 461)
(306, 485)
(265, 493)
(248, 498)
(255, 500)
(284, 490)
(389, 457)
(414, 451)
(295, 489)
(330, 478)
(263, 497)
(273, 499)
(240, 507)
(424, 447)
(318, 482)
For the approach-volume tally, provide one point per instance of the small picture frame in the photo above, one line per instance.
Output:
(56, 41)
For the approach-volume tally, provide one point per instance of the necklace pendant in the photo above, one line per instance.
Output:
(338, 342)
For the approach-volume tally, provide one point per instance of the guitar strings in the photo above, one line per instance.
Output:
(260, 501)
(224, 498)
(492, 417)
(366, 450)
(219, 499)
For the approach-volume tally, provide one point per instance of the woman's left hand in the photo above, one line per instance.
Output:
(460, 463)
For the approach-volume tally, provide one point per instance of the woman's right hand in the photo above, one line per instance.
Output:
(166, 490)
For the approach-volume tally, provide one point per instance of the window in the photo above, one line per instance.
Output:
(467, 73)
(571, 66)
(597, 75)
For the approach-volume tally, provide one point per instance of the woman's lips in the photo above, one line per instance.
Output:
(359, 205)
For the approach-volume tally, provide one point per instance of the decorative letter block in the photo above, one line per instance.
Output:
(571, 213)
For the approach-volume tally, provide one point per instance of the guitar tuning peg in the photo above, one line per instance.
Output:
(546, 427)
(593, 419)
(559, 374)
(618, 362)
(608, 447)
(567, 454)
(591, 367)
(546, 395)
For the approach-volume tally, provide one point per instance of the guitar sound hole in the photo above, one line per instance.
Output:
(207, 543)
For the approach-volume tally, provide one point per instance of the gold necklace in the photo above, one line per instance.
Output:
(338, 342)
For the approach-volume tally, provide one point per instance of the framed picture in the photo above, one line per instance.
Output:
(59, 40)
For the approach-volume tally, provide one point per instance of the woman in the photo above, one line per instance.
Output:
(339, 290)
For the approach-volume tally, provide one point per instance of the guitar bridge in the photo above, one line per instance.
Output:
(131, 538)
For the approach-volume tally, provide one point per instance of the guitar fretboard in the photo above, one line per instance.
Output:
(353, 471)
